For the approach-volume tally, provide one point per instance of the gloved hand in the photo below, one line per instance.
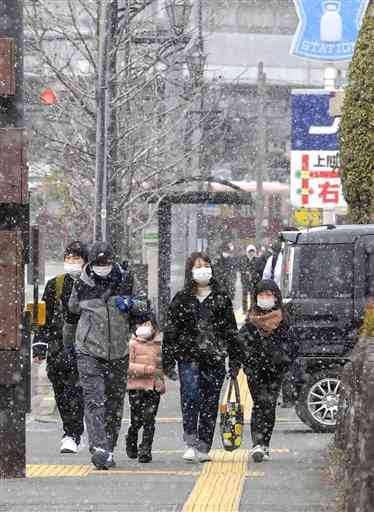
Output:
(171, 374)
(124, 303)
(233, 371)
(39, 351)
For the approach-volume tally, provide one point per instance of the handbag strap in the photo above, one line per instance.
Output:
(234, 385)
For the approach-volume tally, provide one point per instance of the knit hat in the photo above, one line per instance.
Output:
(101, 253)
(77, 248)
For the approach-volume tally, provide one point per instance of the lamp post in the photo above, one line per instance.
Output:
(196, 62)
(179, 14)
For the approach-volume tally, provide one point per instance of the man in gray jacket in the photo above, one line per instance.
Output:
(106, 299)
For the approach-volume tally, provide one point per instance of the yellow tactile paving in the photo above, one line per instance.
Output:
(56, 470)
(220, 485)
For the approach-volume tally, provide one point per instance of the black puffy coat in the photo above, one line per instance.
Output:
(49, 337)
(267, 358)
(201, 332)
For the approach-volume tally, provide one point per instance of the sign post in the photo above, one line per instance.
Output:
(315, 166)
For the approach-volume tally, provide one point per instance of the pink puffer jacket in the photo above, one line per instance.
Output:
(145, 361)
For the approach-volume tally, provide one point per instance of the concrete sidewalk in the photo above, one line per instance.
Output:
(294, 480)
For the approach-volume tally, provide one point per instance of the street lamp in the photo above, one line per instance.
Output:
(196, 60)
(179, 13)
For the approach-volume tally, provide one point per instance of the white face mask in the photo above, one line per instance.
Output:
(266, 304)
(144, 331)
(73, 269)
(226, 254)
(202, 275)
(102, 271)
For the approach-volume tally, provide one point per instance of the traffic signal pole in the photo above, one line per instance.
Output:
(14, 224)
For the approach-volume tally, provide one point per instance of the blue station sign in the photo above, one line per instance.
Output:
(327, 29)
(312, 126)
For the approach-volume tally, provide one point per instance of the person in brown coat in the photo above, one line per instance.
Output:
(145, 386)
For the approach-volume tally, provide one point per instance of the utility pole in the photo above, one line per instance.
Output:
(261, 154)
(14, 226)
(108, 217)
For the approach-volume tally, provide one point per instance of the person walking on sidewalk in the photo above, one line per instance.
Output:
(200, 333)
(145, 386)
(48, 343)
(105, 306)
(248, 274)
(269, 348)
(225, 267)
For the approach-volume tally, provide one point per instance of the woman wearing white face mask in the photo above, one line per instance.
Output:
(269, 348)
(199, 335)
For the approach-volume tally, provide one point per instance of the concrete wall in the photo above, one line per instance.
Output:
(355, 430)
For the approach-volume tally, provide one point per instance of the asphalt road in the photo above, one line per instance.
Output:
(296, 479)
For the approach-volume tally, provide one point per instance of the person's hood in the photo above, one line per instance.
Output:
(269, 285)
(250, 248)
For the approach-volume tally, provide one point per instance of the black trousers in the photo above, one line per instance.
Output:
(63, 374)
(265, 393)
(143, 406)
(104, 388)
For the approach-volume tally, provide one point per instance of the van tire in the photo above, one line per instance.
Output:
(320, 391)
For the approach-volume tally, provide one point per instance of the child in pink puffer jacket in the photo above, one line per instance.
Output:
(145, 385)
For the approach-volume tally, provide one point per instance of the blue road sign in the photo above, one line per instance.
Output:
(327, 29)
(312, 126)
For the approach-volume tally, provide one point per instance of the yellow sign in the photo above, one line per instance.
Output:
(307, 217)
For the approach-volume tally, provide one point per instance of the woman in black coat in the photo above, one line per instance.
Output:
(268, 349)
(200, 333)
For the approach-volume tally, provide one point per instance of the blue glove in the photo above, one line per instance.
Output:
(124, 303)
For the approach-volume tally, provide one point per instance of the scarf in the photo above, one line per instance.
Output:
(266, 323)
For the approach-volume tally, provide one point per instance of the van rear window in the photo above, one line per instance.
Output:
(322, 271)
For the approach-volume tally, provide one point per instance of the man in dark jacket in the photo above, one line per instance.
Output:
(105, 304)
(48, 343)
(225, 269)
(248, 274)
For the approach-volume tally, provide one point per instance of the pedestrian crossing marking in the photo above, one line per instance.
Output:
(220, 485)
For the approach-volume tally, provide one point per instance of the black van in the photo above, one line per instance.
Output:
(328, 276)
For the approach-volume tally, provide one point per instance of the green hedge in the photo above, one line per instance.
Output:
(357, 128)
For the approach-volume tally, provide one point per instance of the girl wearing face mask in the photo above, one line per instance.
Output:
(146, 385)
(199, 335)
(269, 348)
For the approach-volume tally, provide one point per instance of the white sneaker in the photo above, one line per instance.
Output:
(258, 453)
(190, 455)
(68, 445)
(266, 452)
(203, 457)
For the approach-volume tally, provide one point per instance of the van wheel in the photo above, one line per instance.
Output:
(317, 405)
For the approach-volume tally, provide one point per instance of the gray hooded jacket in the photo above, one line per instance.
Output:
(103, 330)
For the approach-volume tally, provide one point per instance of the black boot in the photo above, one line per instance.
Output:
(132, 443)
(145, 453)
(145, 449)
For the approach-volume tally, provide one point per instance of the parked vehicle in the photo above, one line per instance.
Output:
(328, 276)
